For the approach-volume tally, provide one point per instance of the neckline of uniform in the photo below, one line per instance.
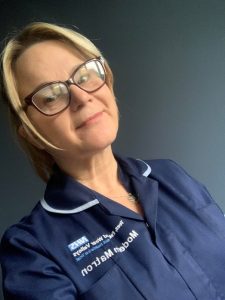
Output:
(59, 197)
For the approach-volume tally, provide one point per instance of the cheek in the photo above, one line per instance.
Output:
(112, 103)
(51, 128)
(116, 112)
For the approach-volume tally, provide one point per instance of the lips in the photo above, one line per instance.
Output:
(90, 120)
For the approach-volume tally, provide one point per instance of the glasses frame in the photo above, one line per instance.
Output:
(29, 99)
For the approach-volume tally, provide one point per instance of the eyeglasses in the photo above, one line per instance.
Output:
(54, 97)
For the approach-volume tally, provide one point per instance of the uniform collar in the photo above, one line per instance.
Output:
(64, 195)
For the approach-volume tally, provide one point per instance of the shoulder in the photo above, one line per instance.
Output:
(173, 178)
(26, 263)
(22, 232)
(168, 169)
(27, 231)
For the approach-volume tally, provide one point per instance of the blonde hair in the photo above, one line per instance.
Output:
(31, 34)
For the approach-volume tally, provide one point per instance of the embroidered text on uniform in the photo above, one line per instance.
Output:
(109, 253)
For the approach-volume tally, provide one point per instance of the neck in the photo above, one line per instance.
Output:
(98, 171)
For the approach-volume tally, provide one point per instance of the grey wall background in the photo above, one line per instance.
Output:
(169, 66)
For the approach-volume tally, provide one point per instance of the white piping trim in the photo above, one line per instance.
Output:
(68, 211)
(148, 170)
(47, 207)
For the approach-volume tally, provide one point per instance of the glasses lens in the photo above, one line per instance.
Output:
(90, 76)
(52, 98)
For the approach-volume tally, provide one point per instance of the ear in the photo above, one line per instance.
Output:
(25, 133)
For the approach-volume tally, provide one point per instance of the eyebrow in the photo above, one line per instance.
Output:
(45, 83)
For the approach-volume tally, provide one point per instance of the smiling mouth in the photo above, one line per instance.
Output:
(91, 120)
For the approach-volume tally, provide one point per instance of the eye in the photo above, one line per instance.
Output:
(83, 79)
(50, 98)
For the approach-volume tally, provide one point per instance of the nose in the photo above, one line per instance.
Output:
(79, 97)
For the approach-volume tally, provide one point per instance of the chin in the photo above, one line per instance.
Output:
(99, 142)
(102, 142)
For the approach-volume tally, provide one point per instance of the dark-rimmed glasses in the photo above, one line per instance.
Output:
(54, 97)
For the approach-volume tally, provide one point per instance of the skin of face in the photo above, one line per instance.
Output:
(89, 125)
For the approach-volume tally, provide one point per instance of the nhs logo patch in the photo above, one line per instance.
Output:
(78, 243)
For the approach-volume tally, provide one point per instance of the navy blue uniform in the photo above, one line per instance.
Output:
(78, 244)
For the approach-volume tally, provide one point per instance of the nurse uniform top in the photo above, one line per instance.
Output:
(78, 244)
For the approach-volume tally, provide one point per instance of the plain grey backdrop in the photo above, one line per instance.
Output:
(169, 67)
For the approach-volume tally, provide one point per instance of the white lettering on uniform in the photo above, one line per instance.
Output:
(81, 249)
(97, 241)
(97, 262)
(109, 253)
(132, 235)
(81, 241)
(119, 225)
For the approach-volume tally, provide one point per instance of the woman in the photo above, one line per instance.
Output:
(108, 227)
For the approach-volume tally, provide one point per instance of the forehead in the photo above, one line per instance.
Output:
(45, 55)
(43, 62)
